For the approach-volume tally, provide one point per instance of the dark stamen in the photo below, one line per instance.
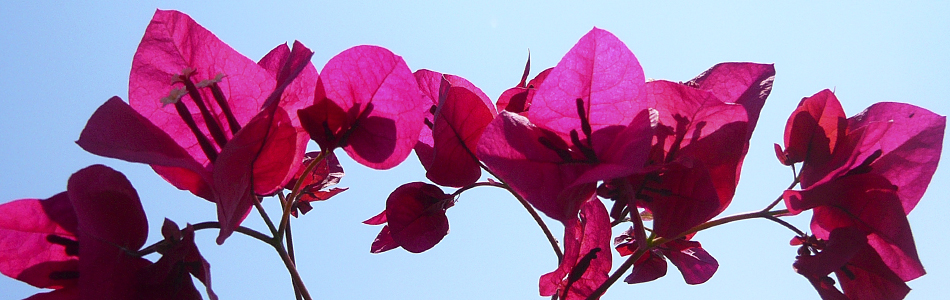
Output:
(562, 153)
(589, 153)
(848, 273)
(585, 123)
(865, 166)
(582, 265)
(223, 104)
(578, 271)
(202, 139)
(367, 111)
(428, 123)
(327, 131)
(63, 275)
(213, 127)
(681, 123)
(72, 246)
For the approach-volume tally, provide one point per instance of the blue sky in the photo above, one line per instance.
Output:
(60, 61)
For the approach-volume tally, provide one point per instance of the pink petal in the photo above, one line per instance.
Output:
(648, 268)
(509, 145)
(870, 203)
(458, 128)
(910, 148)
(685, 197)
(518, 99)
(813, 132)
(116, 130)
(174, 42)
(842, 245)
(280, 156)
(621, 153)
(107, 208)
(325, 121)
(587, 247)
(284, 64)
(746, 84)
(326, 173)
(382, 101)
(257, 160)
(26, 250)
(111, 223)
(602, 72)
(697, 124)
(872, 279)
(164, 279)
(416, 215)
(383, 242)
(378, 219)
(465, 112)
(696, 265)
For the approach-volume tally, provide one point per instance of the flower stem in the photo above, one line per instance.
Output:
(290, 252)
(660, 241)
(544, 227)
(471, 186)
(780, 197)
(534, 213)
(210, 225)
(277, 243)
(292, 268)
(241, 229)
(270, 224)
(295, 193)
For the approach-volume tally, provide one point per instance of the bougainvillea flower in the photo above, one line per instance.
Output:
(83, 243)
(863, 174)
(368, 102)
(206, 118)
(696, 265)
(586, 124)
(518, 99)
(415, 213)
(325, 174)
(901, 142)
(38, 244)
(586, 260)
(702, 137)
(861, 271)
(459, 114)
(180, 258)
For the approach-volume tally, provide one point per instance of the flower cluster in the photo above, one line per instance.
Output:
(861, 176)
(591, 130)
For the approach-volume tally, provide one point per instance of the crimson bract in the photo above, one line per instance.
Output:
(206, 118)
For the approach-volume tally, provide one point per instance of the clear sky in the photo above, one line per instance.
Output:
(60, 61)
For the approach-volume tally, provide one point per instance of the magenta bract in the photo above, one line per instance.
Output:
(696, 265)
(459, 114)
(327, 173)
(367, 102)
(83, 243)
(587, 123)
(415, 213)
(701, 140)
(587, 256)
(518, 99)
(206, 118)
(862, 176)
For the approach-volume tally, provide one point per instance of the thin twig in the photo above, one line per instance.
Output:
(530, 209)
(290, 252)
(660, 241)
